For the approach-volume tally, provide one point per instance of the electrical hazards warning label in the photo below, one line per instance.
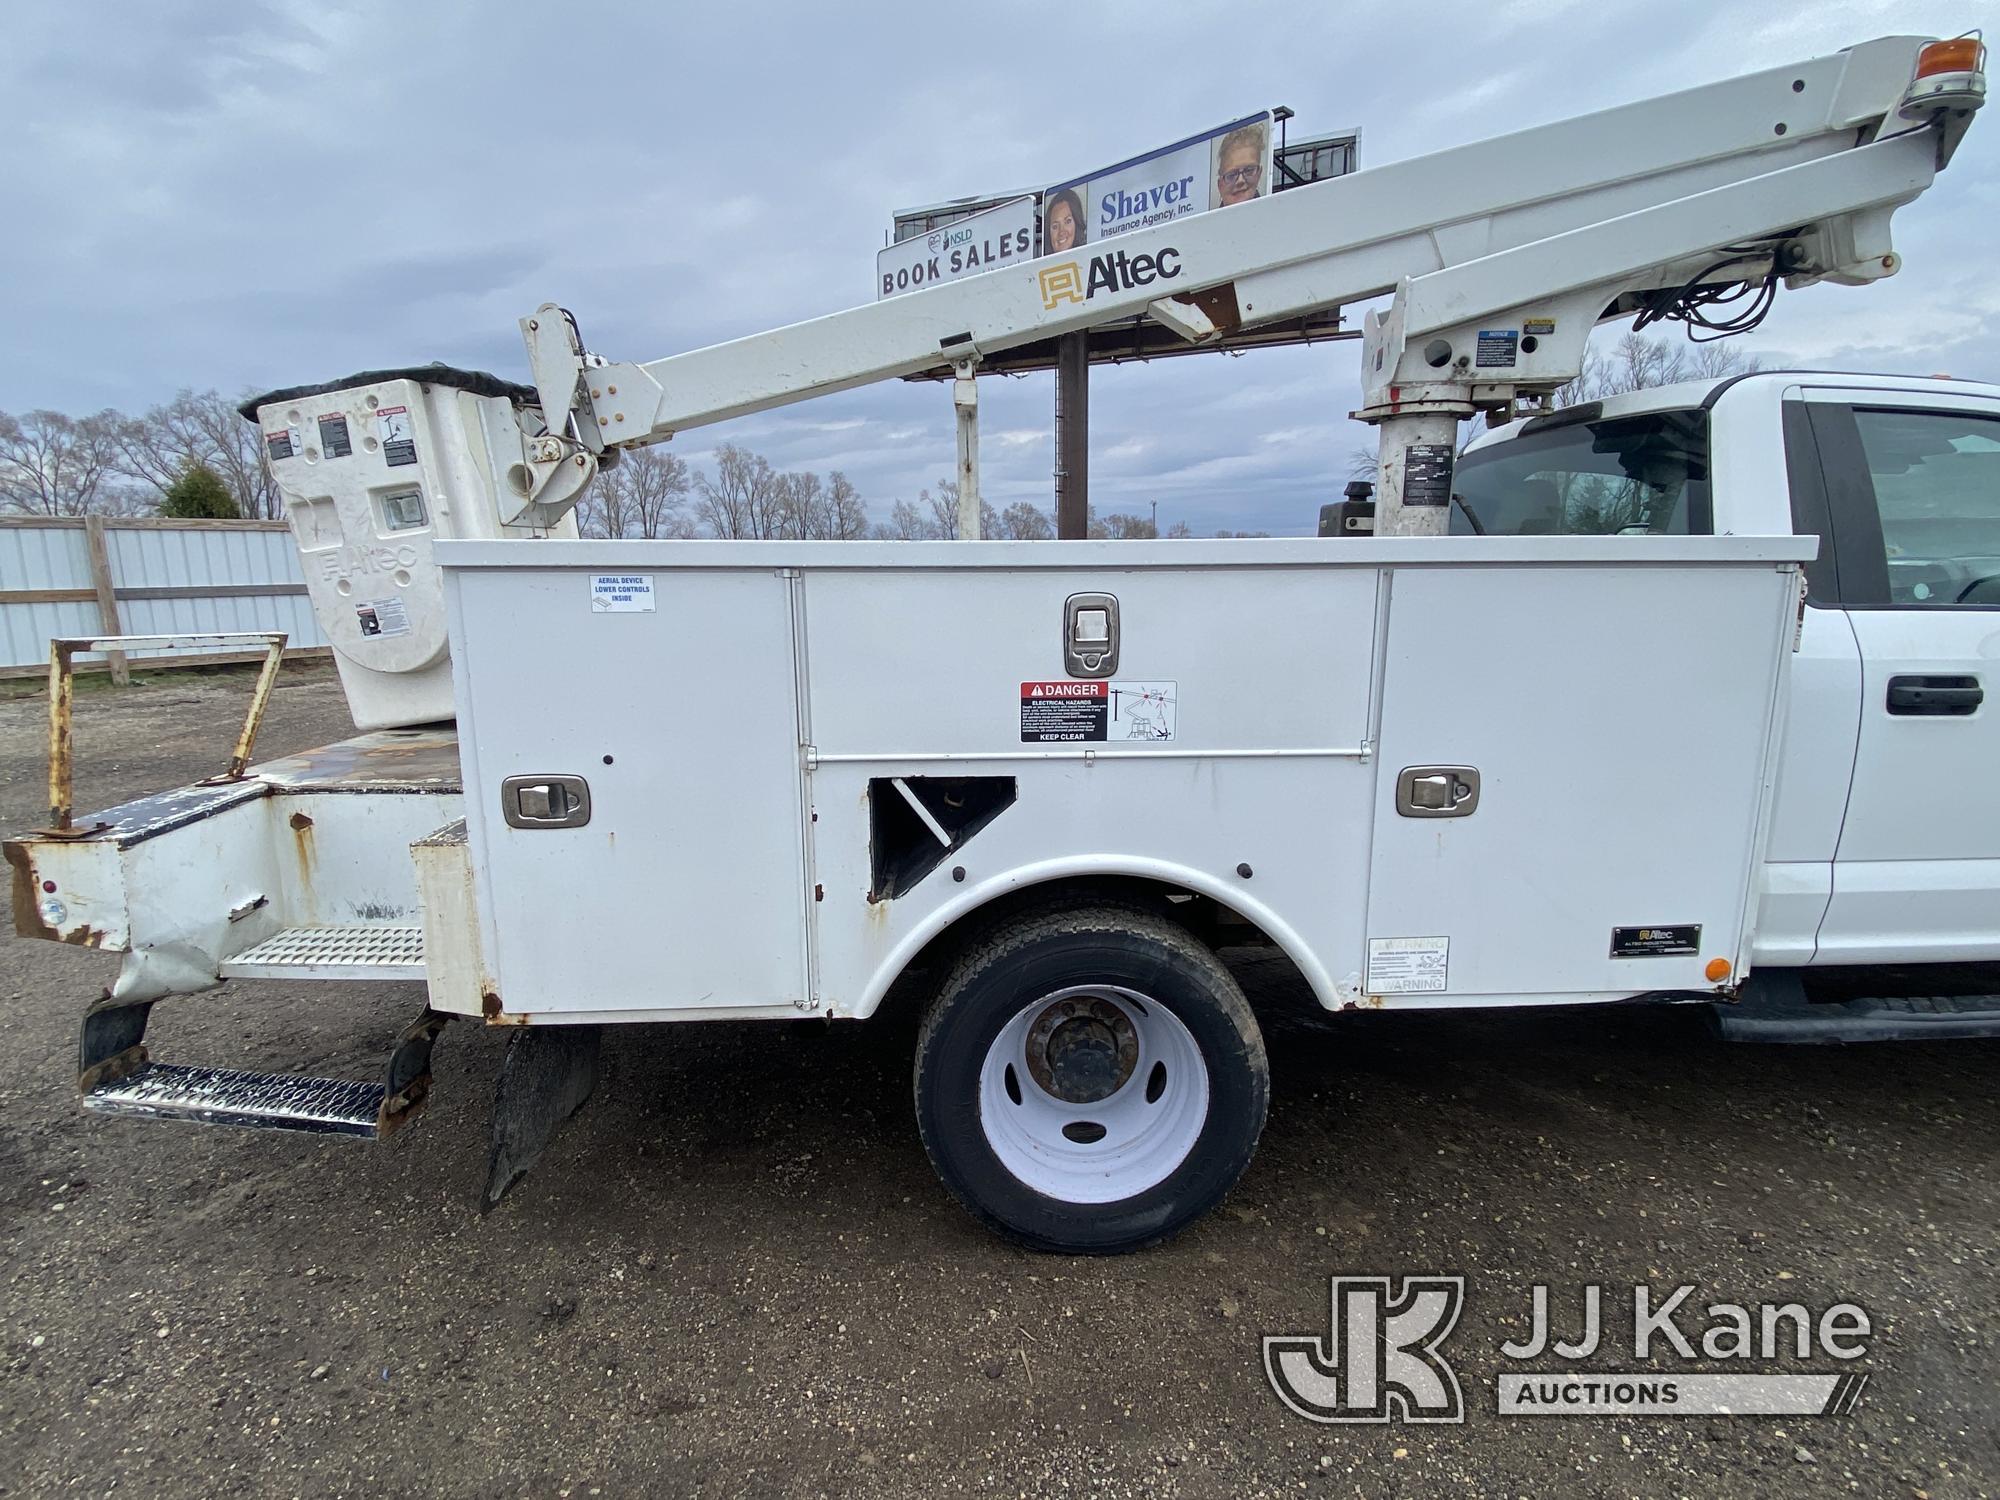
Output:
(1055, 713)
(383, 617)
(334, 441)
(399, 444)
(1408, 966)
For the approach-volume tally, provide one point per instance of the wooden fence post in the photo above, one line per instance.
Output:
(107, 596)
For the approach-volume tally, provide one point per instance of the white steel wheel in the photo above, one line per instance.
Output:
(1093, 1094)
(1090, 1081)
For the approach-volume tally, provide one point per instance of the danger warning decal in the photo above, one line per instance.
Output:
(1054, 713)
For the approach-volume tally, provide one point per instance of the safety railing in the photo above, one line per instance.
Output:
(62, 694)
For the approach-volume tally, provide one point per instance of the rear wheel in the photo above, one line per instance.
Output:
(1090, 1081)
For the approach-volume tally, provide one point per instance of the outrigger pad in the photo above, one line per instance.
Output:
(548, 1073)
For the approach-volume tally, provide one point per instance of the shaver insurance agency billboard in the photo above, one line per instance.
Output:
(1230, 164)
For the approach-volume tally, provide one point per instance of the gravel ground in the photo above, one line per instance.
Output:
(734, 1273)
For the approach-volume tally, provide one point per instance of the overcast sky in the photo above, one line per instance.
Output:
(233, 195)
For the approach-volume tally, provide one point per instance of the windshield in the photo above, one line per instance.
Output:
(1644, 475)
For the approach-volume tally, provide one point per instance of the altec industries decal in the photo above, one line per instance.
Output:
(1113, 271)
(1675, 940)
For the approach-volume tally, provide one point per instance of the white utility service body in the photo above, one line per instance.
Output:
(1897, 480)
(1629, 739)
(1611, 700)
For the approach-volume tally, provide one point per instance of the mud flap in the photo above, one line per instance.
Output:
(112, 1046)
(548, 1073)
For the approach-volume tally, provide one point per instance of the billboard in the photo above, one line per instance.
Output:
(1229, 164)
(984, 242)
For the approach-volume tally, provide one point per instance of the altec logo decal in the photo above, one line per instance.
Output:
(1113, 271)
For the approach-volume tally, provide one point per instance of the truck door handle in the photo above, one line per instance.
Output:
(1950, 697)
(545, 801)
(1437, 791)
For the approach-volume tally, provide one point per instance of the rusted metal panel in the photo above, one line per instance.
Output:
(61, 696)
(454, 966)
(422, 760)
(253, 717)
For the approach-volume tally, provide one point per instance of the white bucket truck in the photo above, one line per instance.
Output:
(1663, 715)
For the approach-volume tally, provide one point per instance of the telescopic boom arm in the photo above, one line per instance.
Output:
(1501, 257)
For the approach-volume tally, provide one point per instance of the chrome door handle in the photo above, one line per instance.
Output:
(1437, 791)
(545, 801)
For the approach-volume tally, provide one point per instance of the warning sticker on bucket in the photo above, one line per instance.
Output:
(383, 617)
(1054, 713)
(1408, 966)
(333, 439)
(399, 444)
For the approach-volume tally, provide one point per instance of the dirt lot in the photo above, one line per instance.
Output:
(734, 1274)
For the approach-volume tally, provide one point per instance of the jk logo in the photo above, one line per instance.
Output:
(1378, 1361)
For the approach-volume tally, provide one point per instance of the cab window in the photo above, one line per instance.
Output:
(1936, 477)
(1571, 475)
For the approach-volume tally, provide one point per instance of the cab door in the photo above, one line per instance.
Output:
(1913, 497)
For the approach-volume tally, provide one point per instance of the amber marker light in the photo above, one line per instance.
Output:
(1961, 54)
(1717, 970)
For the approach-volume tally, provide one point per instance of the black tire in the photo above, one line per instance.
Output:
(1130, 950)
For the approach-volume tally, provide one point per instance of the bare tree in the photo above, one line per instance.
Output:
(1024, 521)
(906, 523)
(800, 501)
(604, 510)
(846, 516)
(742, 499)
(1119, 527)
(655, 485)
(816, 511)
(157, 448)
(200, 427)
(934, 518)
(1637, 363)
(57, 465)
(941, 510)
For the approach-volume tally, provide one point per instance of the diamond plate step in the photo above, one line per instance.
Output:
(230, 1096)
(333, 953)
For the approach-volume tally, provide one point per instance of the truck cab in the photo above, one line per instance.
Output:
(1884, 842)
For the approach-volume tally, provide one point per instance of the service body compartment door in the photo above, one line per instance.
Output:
(1599, 739)
(671, 696)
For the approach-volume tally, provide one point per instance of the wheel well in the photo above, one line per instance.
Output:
(1207, 919)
